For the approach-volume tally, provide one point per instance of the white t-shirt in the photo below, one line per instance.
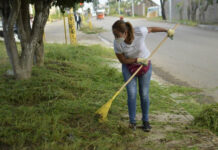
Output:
(138, 48)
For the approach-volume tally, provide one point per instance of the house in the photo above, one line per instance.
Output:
(142, 7)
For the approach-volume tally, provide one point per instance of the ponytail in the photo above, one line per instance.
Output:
(130, 33)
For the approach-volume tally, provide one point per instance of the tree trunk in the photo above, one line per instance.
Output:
(39, 53)
(42, 14)
(202, 8)
(162, 2)
(27, 62)
(9, 14)
(189, 11)
(21, 67)
(30, 38)
(194, 7)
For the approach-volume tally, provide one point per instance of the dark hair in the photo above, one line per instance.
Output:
(120, 27)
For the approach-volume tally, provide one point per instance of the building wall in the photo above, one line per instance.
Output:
(140, 9)
(180, 7)
(211, 14)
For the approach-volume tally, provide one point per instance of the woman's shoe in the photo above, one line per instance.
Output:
(146, 126)
(132, 126)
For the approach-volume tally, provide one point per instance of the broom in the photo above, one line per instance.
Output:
(101, 113)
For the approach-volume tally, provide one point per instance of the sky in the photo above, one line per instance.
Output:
(104, 1)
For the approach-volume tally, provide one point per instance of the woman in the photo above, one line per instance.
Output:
(130, 48)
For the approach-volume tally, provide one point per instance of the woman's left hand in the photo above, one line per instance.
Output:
(170, 33)
(142, 61)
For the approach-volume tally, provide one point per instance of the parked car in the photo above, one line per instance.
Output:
(1, 29)
(17, 39)
(100, 13)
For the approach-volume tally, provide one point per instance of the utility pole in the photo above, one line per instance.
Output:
(119, 7)
(133, 8)
(170, 10)
(108, 7)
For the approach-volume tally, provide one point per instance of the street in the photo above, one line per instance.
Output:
(191, 57)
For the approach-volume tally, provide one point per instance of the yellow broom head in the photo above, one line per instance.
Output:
(101, 113)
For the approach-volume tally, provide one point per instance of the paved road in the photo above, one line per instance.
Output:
(191, 57)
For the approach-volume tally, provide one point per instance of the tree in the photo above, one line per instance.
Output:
(162, 3)
(202, 6)
(31, 37)
(95, 4)
(192, 9)
(180, 7)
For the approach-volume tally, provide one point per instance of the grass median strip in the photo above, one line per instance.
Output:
(55, 108)
(94, 30)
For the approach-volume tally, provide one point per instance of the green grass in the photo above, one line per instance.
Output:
(186, 22)
(56, 16)
(93, 30)
(155, 19)
(208, 118)
(126, 16)
(55, 108)
(2, 50)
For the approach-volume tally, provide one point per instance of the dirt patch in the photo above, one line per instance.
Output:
(168, 77)
(172, 132)
(166, 117)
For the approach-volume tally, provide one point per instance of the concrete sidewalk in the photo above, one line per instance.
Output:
(52, 35)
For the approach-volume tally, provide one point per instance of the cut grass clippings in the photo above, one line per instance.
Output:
(208, 118)
(55, 108)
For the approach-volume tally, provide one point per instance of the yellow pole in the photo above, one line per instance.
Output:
(72, 29)
(83, 20)
(90, 23)
(44, 37)
(65, 31)
(49, 18)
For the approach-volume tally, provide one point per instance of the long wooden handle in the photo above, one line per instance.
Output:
(166, 37)
(154, 51)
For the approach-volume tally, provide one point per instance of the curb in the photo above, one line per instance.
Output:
(105, 40)
(202, 26)
(208, 27)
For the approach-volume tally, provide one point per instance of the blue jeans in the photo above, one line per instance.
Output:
(144, 83)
